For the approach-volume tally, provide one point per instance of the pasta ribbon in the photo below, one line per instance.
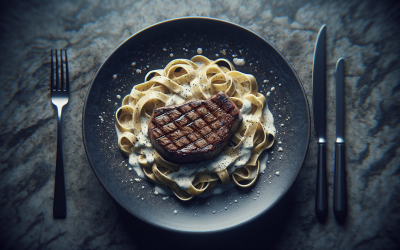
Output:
(246, 176)
(123, 118)
(150, 97)
(126, 142)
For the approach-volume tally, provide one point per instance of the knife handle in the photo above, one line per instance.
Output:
(339, 184)
(321, 202)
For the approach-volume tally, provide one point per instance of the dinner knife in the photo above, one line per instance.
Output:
(339, 184)
(319, 108)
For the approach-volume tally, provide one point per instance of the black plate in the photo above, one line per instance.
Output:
(152, 46)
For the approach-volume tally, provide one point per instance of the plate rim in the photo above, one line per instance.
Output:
(188, 231)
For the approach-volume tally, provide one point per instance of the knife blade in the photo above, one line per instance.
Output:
(339, 184)
(319, 108)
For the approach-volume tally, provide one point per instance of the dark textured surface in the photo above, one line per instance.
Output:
(365, 33)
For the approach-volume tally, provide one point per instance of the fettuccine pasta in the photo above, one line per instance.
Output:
(181, 81)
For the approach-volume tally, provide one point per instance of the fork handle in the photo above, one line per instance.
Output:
(59, 205)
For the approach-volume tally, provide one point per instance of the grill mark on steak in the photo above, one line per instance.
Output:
(194, 131)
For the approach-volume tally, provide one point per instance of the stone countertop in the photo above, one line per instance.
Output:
(365, 33)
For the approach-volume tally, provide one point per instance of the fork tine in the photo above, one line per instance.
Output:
(62, 71)
(51, 71)
(57, 86)
(66, 72)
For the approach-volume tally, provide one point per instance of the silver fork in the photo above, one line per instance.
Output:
(59, 92)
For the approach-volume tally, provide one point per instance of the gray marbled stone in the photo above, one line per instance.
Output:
(365, 33)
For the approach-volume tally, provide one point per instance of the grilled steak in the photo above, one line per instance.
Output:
(194, 131)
